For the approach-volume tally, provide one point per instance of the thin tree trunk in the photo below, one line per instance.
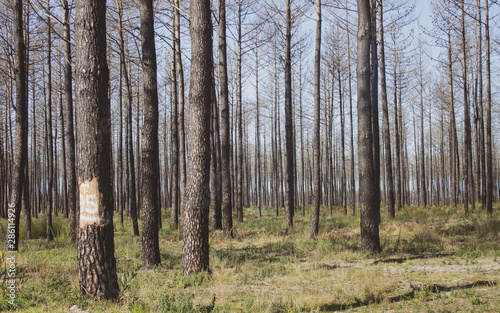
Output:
(385, 117)
(489, 143)
(353, 178)
(227, 205)
(175, 132)
(316, 138)
(50, 147)
(181, 101)
(289, 153)
(423, 194)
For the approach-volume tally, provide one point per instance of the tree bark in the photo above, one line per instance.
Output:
(50, 145)
(369, 223)
(289, 153)
(150, 158)
(21, 141)
(196, 206)
(489, 144)
(316, 138)
(227, 206)
(175, 134)
(385, 116)
(96, 261)
(181, 105)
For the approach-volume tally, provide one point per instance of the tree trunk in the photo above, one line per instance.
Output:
(370, 241)
(423, 194)
(257, 133)
(181, 104)
(289, 153)
(316, 138)
(50, 147)
(385, 116)
(21, 141)
(489, 143)
(374, 99)
(227, 205)
(150, 161)
(196, 205)
(175, 133)
(353, 178)
(216, 189)
(96, 261)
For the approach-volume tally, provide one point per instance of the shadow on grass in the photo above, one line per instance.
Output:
(269, 253)
(421, 291)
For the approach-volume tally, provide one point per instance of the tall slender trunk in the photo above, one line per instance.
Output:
(175, 132)
(489, 143)
(453, 138)
(289, 153)
(316, 136)
(385, 116)
(130, 152)
(181, 100)
(399, 189)
(423, 193)
(120, 191)
(467, 137)
(227, 204)
(239, 155)
(353, 177)
(50, 147)
(149, 146)
(257, 132)
(21, 156)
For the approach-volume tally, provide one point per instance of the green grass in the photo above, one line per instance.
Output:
(431, 260)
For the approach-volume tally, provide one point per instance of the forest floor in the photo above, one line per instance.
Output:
(436, 259)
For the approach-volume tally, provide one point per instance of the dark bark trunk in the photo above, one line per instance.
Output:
(181, 104)
(374, 99)
(257, 135)
(353, 178)
(175, 134)
(489, 143)
(50, 145)
(227, 206)
(21, 141)
(96, 261)
(370, 241)
(316, 138)
(385, 117)
(149, 146)
(289, 153)
(215, 164)
(423, 193)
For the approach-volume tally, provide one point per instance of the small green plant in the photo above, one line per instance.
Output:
(474, 300)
